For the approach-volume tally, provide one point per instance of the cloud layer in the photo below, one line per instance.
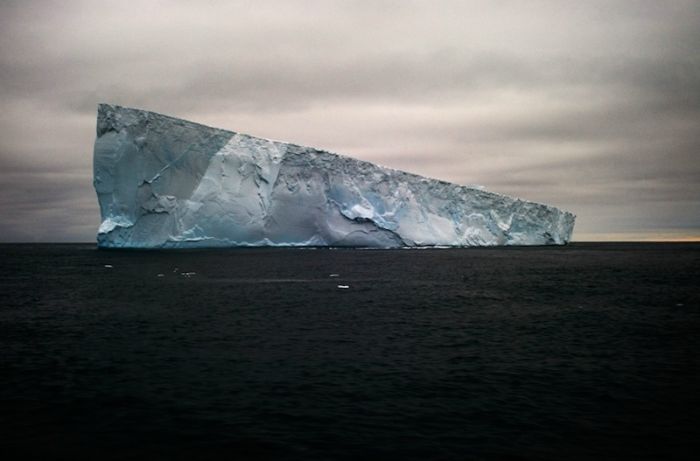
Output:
(593, 107)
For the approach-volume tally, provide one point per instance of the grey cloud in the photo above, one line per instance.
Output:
(590, 106)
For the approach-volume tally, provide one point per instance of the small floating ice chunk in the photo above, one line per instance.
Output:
(108, 266)
(161, 275)
(343, 286)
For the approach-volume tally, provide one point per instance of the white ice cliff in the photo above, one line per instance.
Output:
(163, 182)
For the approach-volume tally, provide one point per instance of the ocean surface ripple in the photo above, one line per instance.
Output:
(589, 351)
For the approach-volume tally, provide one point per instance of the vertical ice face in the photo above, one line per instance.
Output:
(167, 183)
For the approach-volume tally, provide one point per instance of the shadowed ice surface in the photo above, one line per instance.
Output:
(579, 352)
(164, 182)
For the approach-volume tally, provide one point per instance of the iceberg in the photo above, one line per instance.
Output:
(163, 182)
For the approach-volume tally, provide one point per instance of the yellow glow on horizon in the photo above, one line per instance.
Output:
(662, 236)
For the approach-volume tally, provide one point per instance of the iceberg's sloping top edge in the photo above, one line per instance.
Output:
(105, 108)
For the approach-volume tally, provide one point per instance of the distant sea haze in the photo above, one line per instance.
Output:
(587, 351)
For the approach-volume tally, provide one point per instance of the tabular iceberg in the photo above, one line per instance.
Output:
(163, 182)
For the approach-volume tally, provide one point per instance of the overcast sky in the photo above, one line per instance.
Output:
(590, 106)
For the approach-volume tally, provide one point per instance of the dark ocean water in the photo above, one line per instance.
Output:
(590, 351)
